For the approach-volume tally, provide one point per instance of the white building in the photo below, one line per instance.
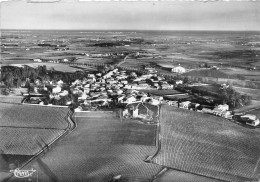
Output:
(179, 82)
(223, 107)
(185, 105)
(178, 69)
(56, 89)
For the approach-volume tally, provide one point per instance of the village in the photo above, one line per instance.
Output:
(120, 88)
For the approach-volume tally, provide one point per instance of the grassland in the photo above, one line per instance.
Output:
(208, 146)
(99, 149)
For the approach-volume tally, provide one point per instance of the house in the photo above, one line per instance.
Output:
(194, 106)
(166, 86)
(206, 110)
(250, 119)
(125, 113)
(215, 68)
(119, 91)
(223, 107)
(130, 99)
(56, 89)
(60, 82)
(78, 109)
(120, 99)
(151, 70)
(173, 103)
(185, 105)
(37, 60)
(155, 102)
(178, 69)
(64, 93)
(120, 77)
(124, 82)
(226, 114)
(179, 82)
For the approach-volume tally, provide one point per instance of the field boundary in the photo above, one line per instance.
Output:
(150, 158)
(71, 126)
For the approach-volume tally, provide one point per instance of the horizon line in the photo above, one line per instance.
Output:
(131, 30)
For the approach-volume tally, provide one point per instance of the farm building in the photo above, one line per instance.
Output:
(185, 105)
(178, 69)
(223, 107)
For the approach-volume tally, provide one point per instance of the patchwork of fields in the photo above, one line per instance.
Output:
(208, 146)
(99, 149)
(194, 146)
(25, 130)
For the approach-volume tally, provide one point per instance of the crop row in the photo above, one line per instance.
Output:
(207, 145)
(15, 115)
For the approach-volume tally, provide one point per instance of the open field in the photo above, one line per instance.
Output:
(207, 145)
(254, 104)
(99, 149)
(241, 71)
(209, 73)
(254, 93)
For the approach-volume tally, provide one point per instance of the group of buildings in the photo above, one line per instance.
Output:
(115, 88)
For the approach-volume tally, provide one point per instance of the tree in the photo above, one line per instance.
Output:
(185, 80)
(18, 82)
(9, 79)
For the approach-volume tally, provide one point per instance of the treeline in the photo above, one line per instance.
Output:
(21, 76)
(222, 95)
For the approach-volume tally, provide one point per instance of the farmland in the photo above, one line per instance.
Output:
(177, 176)
(209, 73)
(25, 130)
(208, 146)
(33, 116)
(99, 149)
(190, 49)
(255, 93)
(11, 99)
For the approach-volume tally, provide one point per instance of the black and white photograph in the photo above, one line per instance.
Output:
(129, 91)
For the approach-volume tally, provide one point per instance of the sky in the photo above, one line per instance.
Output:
(164, 15)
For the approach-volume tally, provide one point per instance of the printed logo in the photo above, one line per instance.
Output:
(22, 173)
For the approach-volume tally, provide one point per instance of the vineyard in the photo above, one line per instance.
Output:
(208, 146)
(25, 129)
(33, 116)
(25, 141)
(100, 147)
